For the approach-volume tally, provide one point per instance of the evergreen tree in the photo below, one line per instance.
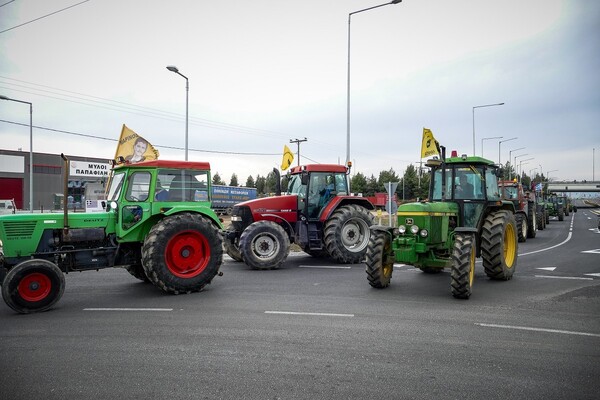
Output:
(234, 180)
(371, 187)
(216, 180)
(260, 184)
(358, 183)
(250, 182)
(270, 183)
(384, 178)
(285, 180)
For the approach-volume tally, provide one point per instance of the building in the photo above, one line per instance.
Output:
(86, 178)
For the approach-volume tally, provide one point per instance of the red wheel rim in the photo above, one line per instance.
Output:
(35, 287)
(187, 254)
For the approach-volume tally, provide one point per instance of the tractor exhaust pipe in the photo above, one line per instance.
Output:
(277, 182)
(65, 192)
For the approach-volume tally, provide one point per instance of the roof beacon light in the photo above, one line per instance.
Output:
(454, 153)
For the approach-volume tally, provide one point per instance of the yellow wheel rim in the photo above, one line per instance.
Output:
(510, 247)
(472, 267)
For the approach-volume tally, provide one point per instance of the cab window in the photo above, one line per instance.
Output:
(139, 186)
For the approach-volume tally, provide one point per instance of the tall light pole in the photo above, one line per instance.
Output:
(30, 148)
(499, 144)
(348, 83)
(521, 166)
(173, 68)
(474, 107)
(517, 156)
(488, 138)
(509, 161)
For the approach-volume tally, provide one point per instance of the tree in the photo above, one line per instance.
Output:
(260, 184)
(385, 177)
(411, 183)
(216, 180)
(358, 183)
(270, 183)
(234, 180)
(371, 187)
(250, 182)
(285, 180)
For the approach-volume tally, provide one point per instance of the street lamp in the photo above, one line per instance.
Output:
(488, 138)
(509, 158)
(484, 105)
(521, 166)
(548, 172)
(173, 68)
(499, 143)
(30, 148)
(348, 83)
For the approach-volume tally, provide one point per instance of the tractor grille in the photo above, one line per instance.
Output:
(435, 230)
(21, 230)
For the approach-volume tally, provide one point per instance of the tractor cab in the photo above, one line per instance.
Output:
(470, 182)
(316, 187)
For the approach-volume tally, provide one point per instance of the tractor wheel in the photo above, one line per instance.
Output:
(532, 222)
(521, 220)
(264, 245)
(463, 266)
(561, 215)
(541, 221)
(346, 234)
(232, 249)
(499, 245)
(182, 253)
(547, 216)
(33, 286)
(137, 271)
(379, 259)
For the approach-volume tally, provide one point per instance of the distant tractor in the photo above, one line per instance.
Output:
(555, 207)
(525, 208)
(157, 224)
(317, 214)
(464, 218)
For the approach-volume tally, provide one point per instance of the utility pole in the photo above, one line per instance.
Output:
(298, 141)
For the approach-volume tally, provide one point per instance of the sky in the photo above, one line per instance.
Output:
(264, 72)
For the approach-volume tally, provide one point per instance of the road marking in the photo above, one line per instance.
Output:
(547, 268)
(564, 277)
(323, 267)
(527, 328)
(598, 275)
(127, 309)
(309, 313)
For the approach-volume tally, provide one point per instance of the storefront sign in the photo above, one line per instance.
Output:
(91, 169)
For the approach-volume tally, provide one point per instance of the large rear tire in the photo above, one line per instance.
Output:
(499, 245)
(264, 245)
(521, 220)
(463, 266)
(182, 253)
(346, 234)
(379, 259)
(532, 221)
(561, 214)
(137, 271)
(33, 286)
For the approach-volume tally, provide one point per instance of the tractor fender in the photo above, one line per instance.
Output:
(290, 228)
(340, 201)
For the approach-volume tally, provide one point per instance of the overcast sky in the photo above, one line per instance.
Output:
(263, 72)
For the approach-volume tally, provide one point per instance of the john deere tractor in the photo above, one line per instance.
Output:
(157, 224)
(464, 218)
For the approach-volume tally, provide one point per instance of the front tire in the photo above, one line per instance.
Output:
(182, 253)
(33, 286)
(379, 259)
(264, 245)
(521, 221)
(463, 266)
(232, 249)
(137, 271)
(346, 234)
(499, 245)
(532, 222)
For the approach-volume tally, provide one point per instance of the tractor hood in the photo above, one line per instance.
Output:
(428, 209)
(271, 208)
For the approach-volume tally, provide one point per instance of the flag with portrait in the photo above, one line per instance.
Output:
(134, 148)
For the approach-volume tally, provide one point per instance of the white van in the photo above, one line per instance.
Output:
(8, 206)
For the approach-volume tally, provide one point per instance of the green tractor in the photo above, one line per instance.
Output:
(157, 224)
(556, 207)
(464, 218)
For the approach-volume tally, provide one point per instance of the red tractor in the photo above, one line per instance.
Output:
(526, 213)
(317, 214)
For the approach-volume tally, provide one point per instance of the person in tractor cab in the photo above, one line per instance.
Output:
(161, 194)
(464, 190)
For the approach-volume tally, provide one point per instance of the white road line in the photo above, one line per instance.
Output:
(556, 245)
(528, 328)
(127, 309)
(309, 313)
(564, 277)
(323, 267)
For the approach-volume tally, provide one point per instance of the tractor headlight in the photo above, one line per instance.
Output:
(113, 205)
(237, 218)
(424, 233)
(395, 231)
(414, 229)
(402, 229)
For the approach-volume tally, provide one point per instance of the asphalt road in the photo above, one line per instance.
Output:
(317, 330)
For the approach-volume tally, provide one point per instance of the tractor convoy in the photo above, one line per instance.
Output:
(158, 224)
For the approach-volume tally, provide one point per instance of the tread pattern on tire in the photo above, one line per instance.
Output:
(492, 245)
(333, 233)
(461, 284)
(276, 232)
(376, 259)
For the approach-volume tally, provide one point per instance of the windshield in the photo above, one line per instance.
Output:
(115, 186)
(295, 185)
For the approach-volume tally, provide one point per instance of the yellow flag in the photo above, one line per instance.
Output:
(134, 148)
(288, 158)
(430, 146)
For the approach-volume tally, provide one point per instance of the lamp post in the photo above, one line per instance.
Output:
(173, 68)
(548, 172)
(499, 144)
(474, 107)
(30, 148)
(521, 166)
(348, 82)
(488, 138)
(516, 169)
(509, 158)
